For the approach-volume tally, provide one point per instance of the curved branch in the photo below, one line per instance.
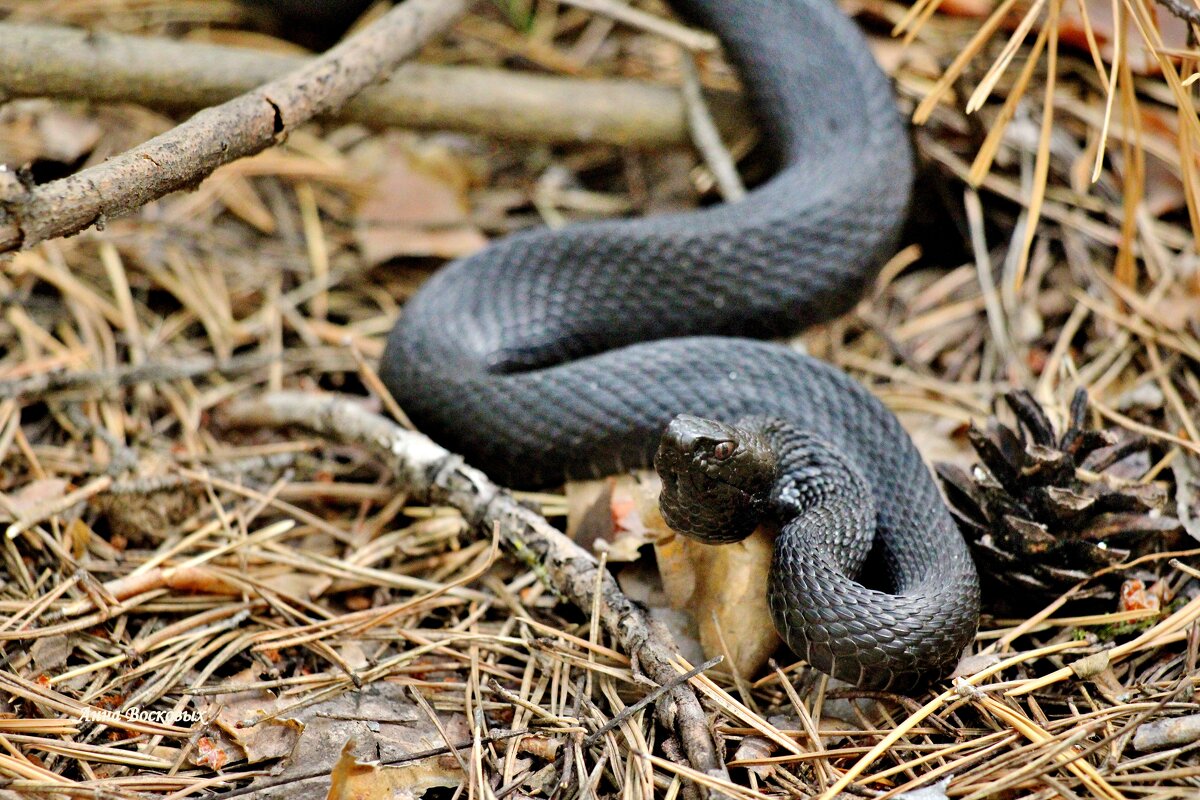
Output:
(248, 124)
(433, 475)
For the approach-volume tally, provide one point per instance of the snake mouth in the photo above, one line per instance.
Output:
(691, 476)
(681, 474)
(708, 471)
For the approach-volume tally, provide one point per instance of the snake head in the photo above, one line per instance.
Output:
(716, 478)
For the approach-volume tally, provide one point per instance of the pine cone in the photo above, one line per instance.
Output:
(1040, 512)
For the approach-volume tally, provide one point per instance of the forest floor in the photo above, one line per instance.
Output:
(191, 607)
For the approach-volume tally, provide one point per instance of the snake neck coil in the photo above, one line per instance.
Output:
(565, 353)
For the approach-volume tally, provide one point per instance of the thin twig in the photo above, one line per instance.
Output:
(622, 12)
(629, 711)
(705, 134)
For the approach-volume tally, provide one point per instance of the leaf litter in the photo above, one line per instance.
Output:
(329, 634)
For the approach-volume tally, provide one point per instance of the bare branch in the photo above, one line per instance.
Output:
(432, 474)
(188, 153)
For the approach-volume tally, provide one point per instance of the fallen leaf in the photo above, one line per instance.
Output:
(721, 586)
(49, 653)
(36, 493)
(35, 130)
(756, 748)
(976, 662)
(79, 534)
(415, 203)
(966, 8)
(543, 747)
(376, 725)
(240, 721)
(1135, 597)
(605, 515)
(892, 53)
(356, 780)
(938, 438)
(214, 752)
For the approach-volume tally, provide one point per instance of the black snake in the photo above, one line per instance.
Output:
(565, 353)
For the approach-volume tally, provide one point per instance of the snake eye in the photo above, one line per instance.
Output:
(723, 450)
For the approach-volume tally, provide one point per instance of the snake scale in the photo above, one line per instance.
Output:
(565, 353)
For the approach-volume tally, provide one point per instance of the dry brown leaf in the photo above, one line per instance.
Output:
(1135, 596)
(544, 747)
(605, 514)
(976, 662)
(36, 493)
(215, 751)
(79, 535)
(974, 9)
(892, 53)
(51, 652)
(757, 748)
(939, 439)
(416, 203)
(721, 586)
(238, 721)
(297, 584)
(355, 780)
(381, 724)
(32, 130)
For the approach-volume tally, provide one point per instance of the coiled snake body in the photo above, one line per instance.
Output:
(565, 353)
